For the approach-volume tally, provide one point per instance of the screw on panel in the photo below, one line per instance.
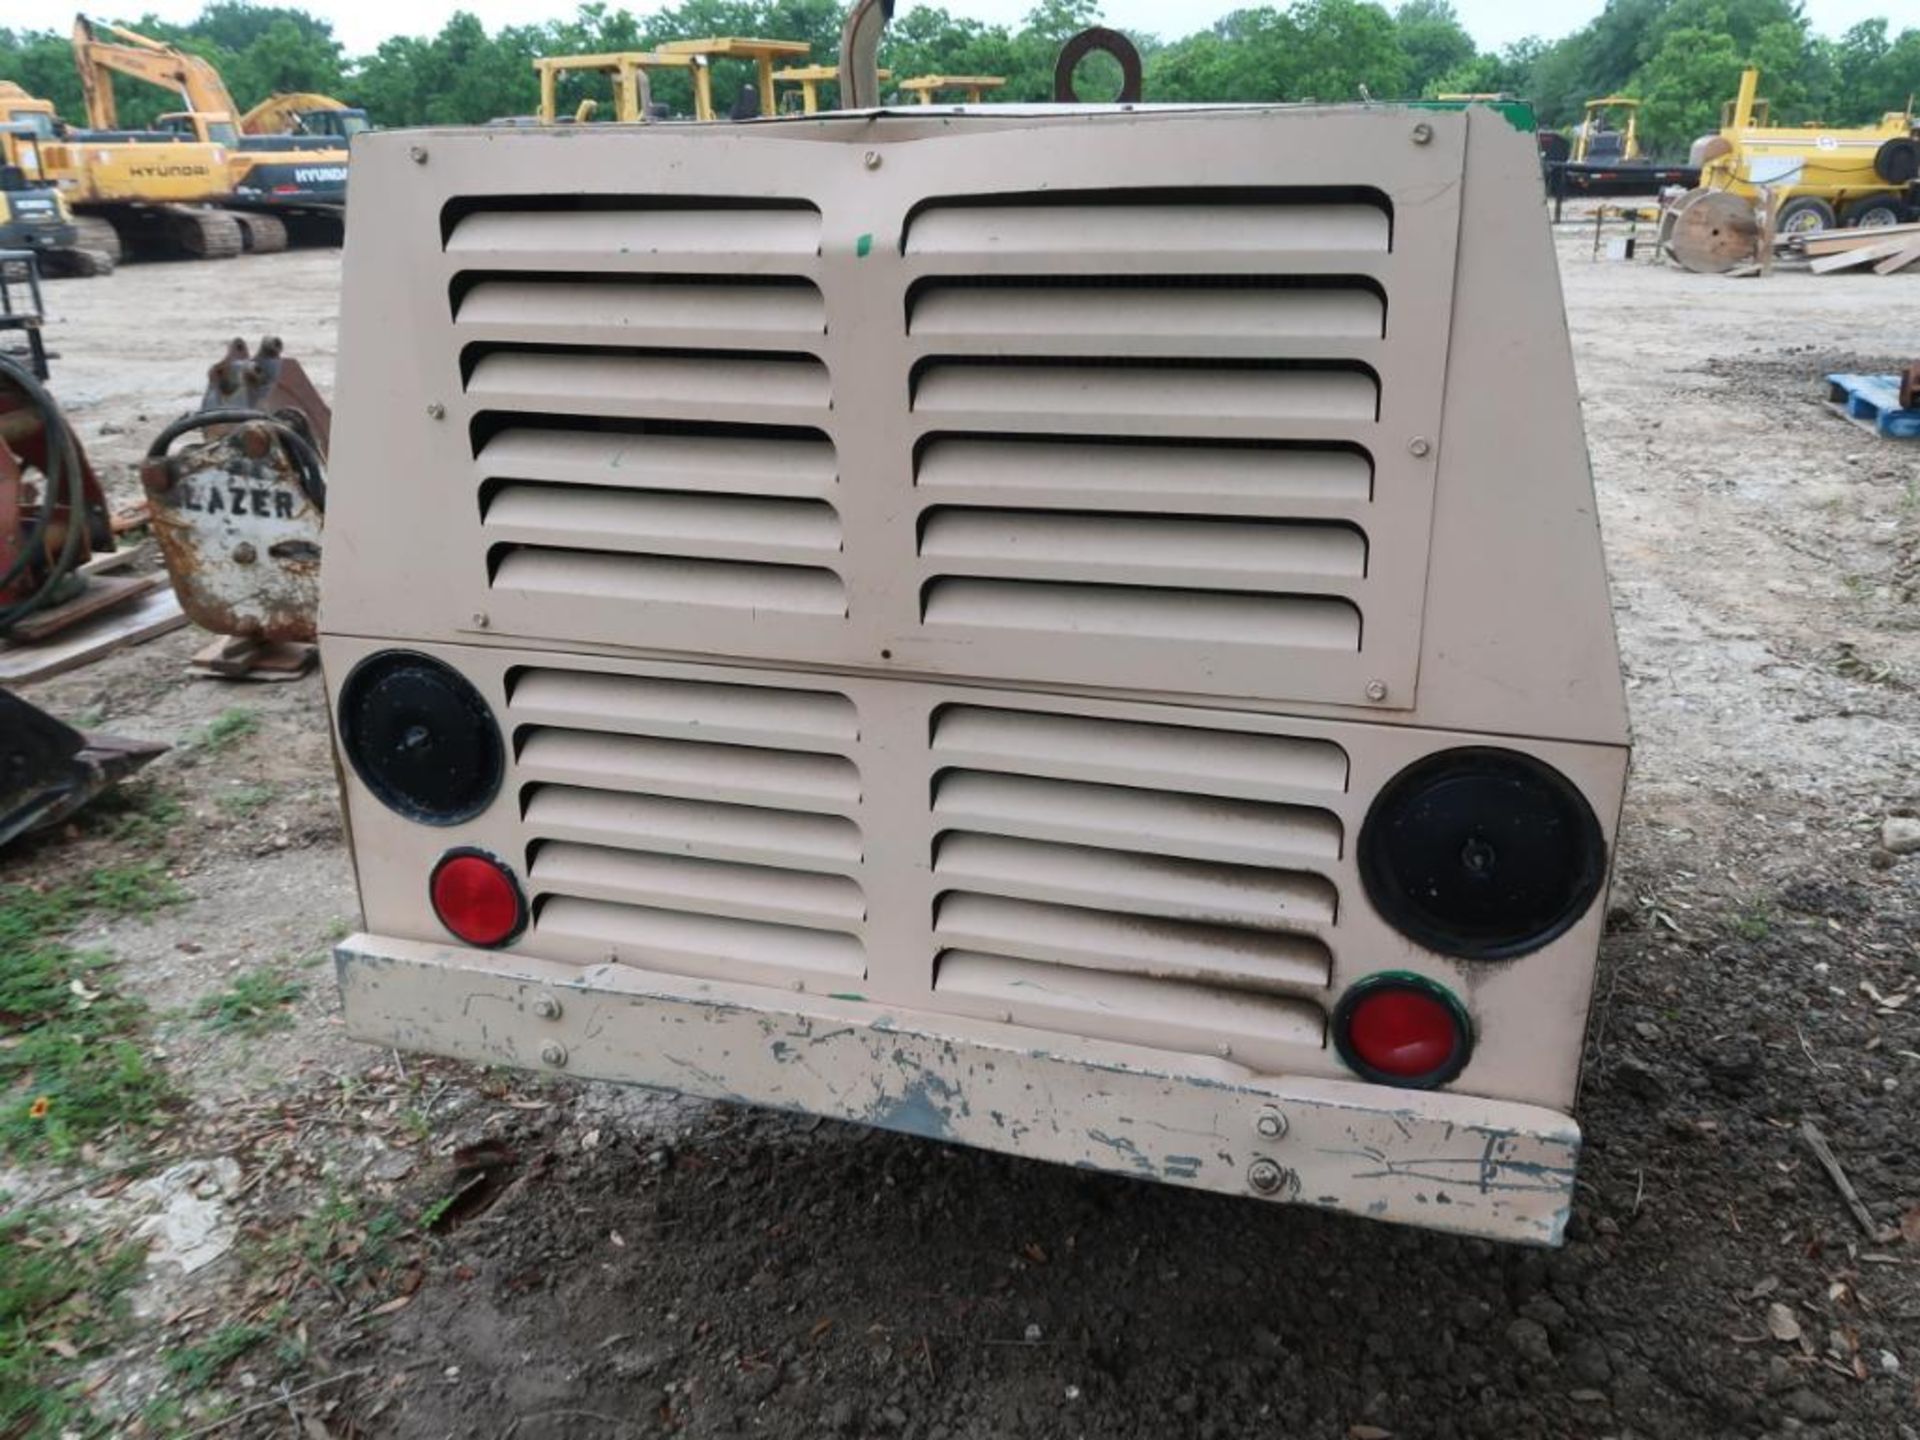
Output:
(1271, 1124)
(481, 620)
(417, 154)
(871, 159)
(436, 411)
(1376, 690)
(554, 1053)
(1422, 133)
(1420, 446)
(546, 1007)
(1223, 1050)
(1265, 1176)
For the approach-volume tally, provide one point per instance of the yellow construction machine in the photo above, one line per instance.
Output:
(972, 88)
(1819, 175)
(304, 113)
(630, 72)
(810, 78)
(1602, 139)
(274, 177)
(763, 55)
(34, 215)
(627, 69)
(126, 190)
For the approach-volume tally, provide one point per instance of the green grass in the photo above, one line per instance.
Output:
(61, 1302)
(139, 812)
(227, 728)
(73, 1067)
(243, 800)
(1754, 923)
(255, 1004)
(198, 1366)
(346, 1240)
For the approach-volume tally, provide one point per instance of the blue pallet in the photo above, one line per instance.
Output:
(1874, 401)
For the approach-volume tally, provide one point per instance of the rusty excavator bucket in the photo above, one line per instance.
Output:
(48, 769)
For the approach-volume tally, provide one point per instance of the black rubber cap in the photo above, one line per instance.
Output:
(1481, 853)
(420, 737)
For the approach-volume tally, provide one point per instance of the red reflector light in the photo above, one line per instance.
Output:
(1402, 1030)
(286, 189)
(477, 898)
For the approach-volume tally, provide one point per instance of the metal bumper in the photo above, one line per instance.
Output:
(1442, 1161)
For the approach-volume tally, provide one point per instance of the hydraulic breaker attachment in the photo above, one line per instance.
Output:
(238, 515)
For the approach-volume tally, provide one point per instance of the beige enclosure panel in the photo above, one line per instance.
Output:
(1175, 877)
(951, 586)
(1042, 401)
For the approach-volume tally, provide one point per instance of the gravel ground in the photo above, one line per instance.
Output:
(615, 1264)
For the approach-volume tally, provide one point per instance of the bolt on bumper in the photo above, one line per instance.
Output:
(1458, 1163)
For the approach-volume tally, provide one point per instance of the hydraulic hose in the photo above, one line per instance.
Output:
(313, 470)
(65, 482)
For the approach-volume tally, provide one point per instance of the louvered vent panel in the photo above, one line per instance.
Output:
(700, 828)
(1031, 400)
(1115, 877)
(1145, 430)
(648, 408)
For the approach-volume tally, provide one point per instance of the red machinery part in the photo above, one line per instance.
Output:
(40, 460)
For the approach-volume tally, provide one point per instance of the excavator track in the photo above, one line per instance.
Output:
(261, 234)
(99, 236)
(205, 234)
(77, 262)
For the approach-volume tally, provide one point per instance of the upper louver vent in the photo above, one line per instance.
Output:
(931, 411)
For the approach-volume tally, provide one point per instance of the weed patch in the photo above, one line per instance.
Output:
(255, 1004)
(227, 728)
(243, 800)
(198, 1366)
(61, 1294)
(73, 1068)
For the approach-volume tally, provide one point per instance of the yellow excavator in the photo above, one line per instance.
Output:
(126, 190)
(275, 178)
(304, 113)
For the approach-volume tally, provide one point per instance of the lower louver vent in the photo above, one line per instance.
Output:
(1132, 880)
(698, 828)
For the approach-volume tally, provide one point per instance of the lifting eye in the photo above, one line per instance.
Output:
(1481, 853)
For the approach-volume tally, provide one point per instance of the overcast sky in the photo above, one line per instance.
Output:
(363, 24)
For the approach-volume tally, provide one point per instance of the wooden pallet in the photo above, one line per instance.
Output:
(1873, 402)
(233, 658)
(150, 615)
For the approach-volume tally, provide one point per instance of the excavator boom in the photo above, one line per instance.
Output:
(128, 52)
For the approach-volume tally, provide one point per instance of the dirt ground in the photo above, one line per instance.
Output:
(416, 1250)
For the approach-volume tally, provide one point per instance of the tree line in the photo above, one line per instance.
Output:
(1682, 58)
